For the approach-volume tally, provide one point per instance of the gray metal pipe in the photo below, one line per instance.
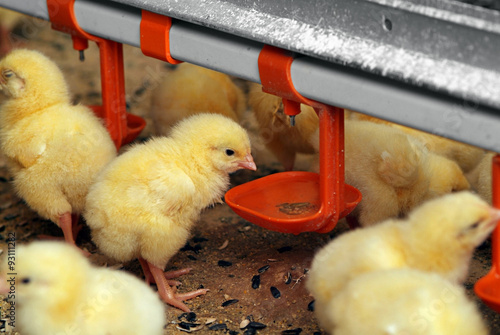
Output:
(324, 81)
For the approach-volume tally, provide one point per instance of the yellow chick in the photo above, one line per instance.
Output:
(393, 171)
(191, 89)
(145, 202)
(387, 167)
(281, 138)
(465, 155)
(57, 291)
(8, 20)
(438, 236)
(405, 302)
(445, 176)
(54, 149)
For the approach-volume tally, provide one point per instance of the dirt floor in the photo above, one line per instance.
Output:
(225, 252)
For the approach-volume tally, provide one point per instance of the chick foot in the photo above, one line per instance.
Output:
(168, 294)
(148, 277)
(176, 273)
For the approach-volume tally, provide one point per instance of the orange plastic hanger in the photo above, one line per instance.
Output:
(122, 126)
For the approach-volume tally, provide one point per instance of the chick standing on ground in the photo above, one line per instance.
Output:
(191, 89)
(394, 172)
(145, 202)
(438, 236)
(403, 301)
(59, 292)
(281, 138)
(387, 167)
(54, 149)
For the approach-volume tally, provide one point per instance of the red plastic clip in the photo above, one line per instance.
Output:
(155, 36)
(123, 127)
(274, 70)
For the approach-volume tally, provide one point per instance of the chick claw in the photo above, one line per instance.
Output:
(167, 293)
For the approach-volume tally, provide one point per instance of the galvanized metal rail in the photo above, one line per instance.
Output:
(429, 64)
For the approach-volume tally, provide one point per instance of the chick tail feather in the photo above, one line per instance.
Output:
(398, 169)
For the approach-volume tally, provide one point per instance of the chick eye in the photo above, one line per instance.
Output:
(25, 280)
(475, 225)
(229, 152)
(8, 73)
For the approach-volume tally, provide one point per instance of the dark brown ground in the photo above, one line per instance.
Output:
(249, 247)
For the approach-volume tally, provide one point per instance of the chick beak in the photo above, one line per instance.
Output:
(494, 216)
(247, 163)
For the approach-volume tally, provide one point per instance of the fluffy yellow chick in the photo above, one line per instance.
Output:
(445, 176)
(282, 139)
(393, 171)
(438, 236)
(387, 167)
(8, 20)
(191, 89)
(54, 149)
(480, 177)
(144, 203)
(59, 292)
(465, 155)
(405, 302)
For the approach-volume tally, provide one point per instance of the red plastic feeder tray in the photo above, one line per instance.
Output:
(296, 202)
(287, 202)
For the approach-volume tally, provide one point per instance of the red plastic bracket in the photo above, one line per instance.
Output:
(123, 127)
(155, 36)
(274, 70)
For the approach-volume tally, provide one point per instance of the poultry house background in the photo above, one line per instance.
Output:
(252, 274)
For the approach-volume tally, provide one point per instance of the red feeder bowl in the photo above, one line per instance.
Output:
(287, 202)
(296, 202)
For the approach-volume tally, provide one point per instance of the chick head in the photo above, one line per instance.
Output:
(47, 273)
(462, 220)
(28, 74)
(216, 140)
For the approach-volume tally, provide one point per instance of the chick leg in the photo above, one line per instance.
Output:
(167, 293)
(148, 276)
(76, 225)
(68, 227)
